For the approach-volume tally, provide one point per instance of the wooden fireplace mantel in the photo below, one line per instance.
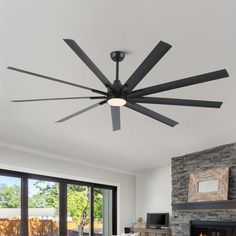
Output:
(229, 204)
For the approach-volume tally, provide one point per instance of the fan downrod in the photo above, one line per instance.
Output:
(117, 56)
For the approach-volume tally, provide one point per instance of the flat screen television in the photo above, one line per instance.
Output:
(157, 220)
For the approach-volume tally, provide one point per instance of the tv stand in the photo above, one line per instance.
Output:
(149, 232)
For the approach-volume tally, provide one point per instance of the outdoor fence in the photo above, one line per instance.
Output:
(11, 227)
(36, 227)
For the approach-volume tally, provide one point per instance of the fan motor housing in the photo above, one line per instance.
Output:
(116, 91)
(117, 56)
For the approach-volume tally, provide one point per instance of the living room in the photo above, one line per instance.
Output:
(117, 117)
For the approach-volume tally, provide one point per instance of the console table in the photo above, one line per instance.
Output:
(149, 232)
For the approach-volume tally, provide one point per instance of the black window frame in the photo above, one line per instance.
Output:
(62, 182)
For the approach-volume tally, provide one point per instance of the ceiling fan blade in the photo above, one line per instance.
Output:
(151, 114)
(88, 62)
(220, 74)
(150, 61)
(56, 80)
(115, 116)
(55, 99)
(178, 102)
(82, 111)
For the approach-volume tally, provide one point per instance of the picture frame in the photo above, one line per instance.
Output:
(209, 185)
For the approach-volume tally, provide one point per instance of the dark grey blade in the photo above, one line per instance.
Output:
(55, 99)
(150, 61)
(80, 112)
(151, 114)
(56, 80)
(220, 74)
(178, 102)
(81, 54)
(115, 116)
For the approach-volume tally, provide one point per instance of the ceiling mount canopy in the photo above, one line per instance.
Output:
(117, 94)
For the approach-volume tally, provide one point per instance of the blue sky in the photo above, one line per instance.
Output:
(10, 181)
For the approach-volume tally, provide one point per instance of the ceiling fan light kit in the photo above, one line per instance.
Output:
(116, 102)
(118, 94)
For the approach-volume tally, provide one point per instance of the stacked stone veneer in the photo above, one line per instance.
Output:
(182, 167)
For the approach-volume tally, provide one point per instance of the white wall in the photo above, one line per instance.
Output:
(19, 160)
(153, 191)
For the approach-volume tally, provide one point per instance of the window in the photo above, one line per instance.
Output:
(78, 210)
(10, 206)
(43, 208)
(102, 212)
(34, 205)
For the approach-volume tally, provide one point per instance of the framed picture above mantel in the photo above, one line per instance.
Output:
(209, 185)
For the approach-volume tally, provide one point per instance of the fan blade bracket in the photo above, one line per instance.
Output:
(135, 94)
(98, 91)
(97, 97)
(103, 102)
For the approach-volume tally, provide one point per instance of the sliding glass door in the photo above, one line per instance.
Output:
(10, 206)
(33, 205)
(89, 211)
(102, 212)
(43, 208)
(78, 210)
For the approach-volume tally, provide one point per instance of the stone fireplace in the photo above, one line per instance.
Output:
(184, 220)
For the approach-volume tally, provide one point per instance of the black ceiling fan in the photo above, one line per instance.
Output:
(118, 94)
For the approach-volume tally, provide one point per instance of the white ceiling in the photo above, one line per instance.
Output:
(202, 34)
